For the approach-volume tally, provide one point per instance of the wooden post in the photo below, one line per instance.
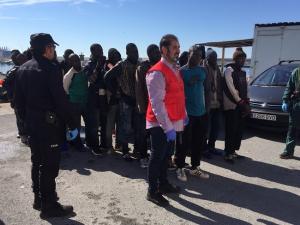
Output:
(222, 62)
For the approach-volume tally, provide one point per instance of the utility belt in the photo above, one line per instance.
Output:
(52, 118)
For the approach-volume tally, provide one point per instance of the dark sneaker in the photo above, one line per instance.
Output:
(127, 157)
(207, 155)
(37, 203)
(237, 156)
(157, 199)
(118, 147)
(286, 155)
(229, 158)
(97, 151)
(169, 188)
(215, 151)
(171, 165)
(55, 210)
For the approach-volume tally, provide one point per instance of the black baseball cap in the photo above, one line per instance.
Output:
(40, 40)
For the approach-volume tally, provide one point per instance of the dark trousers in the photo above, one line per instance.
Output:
(92, 126)
(194, 137)
(112, 124)
(141, 135)
(78, 111)
(45, 143)
(103, 123)
(127, 119)
(234, 127)
(291, 137)
(158, 162)
(214, 126)
(20, 125)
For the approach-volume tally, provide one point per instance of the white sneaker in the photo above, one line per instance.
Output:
(181, 174)
(144, 163)
(199, 173)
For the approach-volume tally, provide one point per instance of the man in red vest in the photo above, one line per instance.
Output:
(165, 116)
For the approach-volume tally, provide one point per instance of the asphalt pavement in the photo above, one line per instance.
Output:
(259, 189)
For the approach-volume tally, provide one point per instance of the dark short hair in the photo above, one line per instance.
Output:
(166, 40)
(93, 46)
(130, 45)
(200, 48)
(150, 47)
(68, 52)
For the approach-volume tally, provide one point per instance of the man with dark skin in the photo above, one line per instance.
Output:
(43, 104)
(216, 99)
(124, 72)
(9, 84)
(76, 86)
(97, 100)
(114, 57)
(65, 63)
(236, 104)
(194, 76)
(141, 93)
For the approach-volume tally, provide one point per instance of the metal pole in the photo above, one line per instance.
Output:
(222, 62)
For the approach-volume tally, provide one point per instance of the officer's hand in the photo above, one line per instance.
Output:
(284, 107)
(72, 134)
(171, 135)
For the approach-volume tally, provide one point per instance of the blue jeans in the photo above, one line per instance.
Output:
(158, 163)
(127, 132)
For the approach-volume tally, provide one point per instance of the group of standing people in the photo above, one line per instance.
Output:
(177, 107)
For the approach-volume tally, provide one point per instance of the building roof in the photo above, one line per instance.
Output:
(229, 44)
(278, 24)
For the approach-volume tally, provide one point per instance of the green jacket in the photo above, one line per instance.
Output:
(292, 96)
(78, 89)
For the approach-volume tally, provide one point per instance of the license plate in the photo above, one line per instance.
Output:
(261, 116)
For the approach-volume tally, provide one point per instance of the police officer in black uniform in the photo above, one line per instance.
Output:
(42, 103)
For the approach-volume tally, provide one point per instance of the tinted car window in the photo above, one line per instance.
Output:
(275, 76)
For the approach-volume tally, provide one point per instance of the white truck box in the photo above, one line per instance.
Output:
(273, 43)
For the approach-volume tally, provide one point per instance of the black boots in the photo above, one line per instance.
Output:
(55, 209)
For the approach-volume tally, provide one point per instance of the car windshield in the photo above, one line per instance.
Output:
(275, 76)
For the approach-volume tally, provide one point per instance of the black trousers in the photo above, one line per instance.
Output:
(234, 127)
(141, 135)
(161, 150)
(20, 124)
(194, 138)
(45, 144)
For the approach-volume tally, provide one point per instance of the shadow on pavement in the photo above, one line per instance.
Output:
(1, 222)
(272, 202)
(63, 221)
(252, 168)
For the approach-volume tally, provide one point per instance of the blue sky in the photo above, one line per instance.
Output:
(76, 24)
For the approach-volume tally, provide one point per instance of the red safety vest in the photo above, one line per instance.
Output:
(174, 98)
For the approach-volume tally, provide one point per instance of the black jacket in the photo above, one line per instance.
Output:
(9, 84)
(39, 91)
